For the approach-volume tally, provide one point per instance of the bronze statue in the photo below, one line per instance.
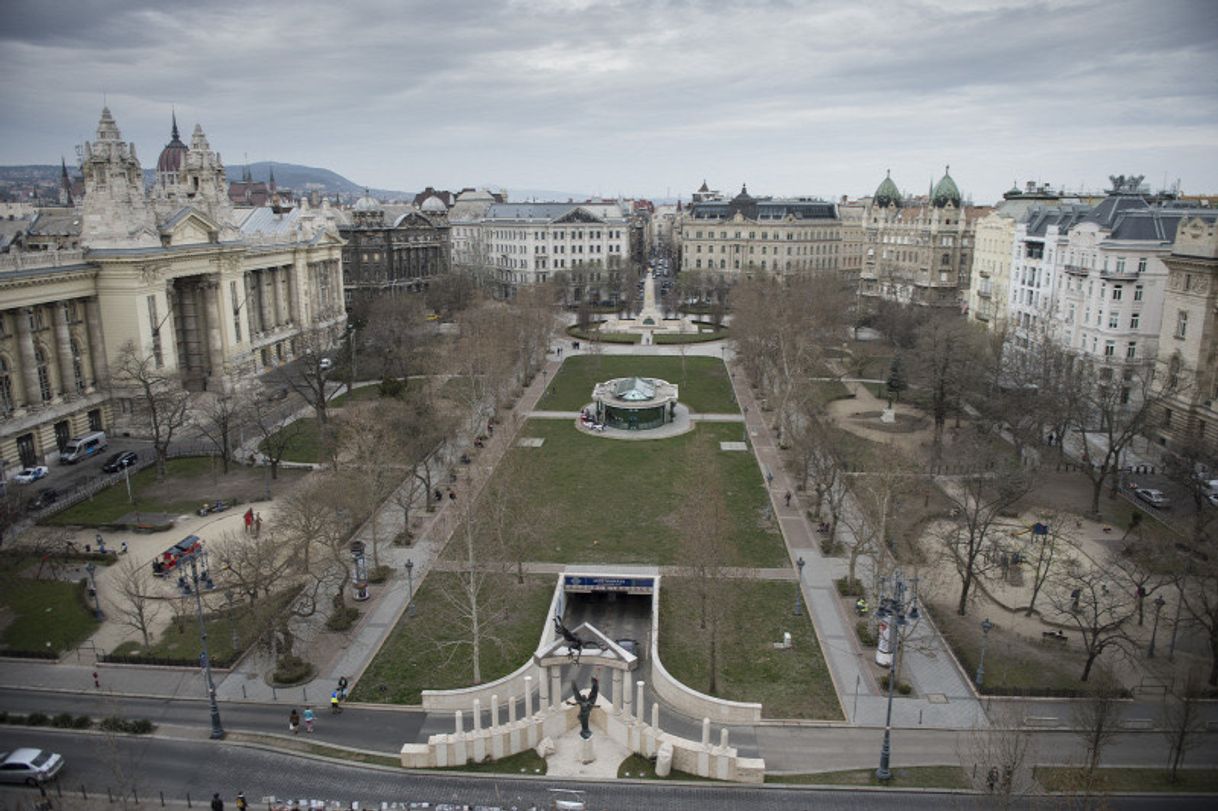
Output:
(575, 645)
(585, 704)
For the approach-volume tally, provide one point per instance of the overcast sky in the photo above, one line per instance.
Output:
(639, 98)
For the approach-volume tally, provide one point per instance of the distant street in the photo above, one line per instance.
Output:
(179, 767)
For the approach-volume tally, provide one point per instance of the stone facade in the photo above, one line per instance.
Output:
(759, 235)
(1188, 342)
(918, 251)
(402, 256)
(213, 301)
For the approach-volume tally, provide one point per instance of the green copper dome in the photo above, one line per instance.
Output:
(887, 194)
(946, 191)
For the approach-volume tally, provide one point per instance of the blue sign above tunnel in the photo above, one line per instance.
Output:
(586, 584)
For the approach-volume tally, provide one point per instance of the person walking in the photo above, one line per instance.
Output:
(294, 722)
(216, 803)
(258, 525)
(249, 520)
(308, 716)
(241, 804)
(788, 498)
(334, 705)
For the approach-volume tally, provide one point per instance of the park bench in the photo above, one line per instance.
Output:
(1054, 638)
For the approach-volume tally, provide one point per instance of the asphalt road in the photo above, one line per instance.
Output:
(178, 767)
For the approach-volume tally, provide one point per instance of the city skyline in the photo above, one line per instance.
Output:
(637, 99)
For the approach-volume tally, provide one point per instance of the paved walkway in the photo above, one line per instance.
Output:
(944, 698)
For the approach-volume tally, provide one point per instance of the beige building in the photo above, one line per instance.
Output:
(918, 251)
(766, 235)
(1188, 341)
(207, 293)
(853, 237)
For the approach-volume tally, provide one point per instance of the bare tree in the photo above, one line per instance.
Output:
(157, 396)
(276, 438)
(516, 523)
(307, 375)
(1081, 599)
(978, 500)
(998, 759)
(219, 415)
(1183, 721)
(1096, 722)
(395, 334)
(136, 607)
(1114, 404)
(948, 352)
(1050, 543)
(477, 608)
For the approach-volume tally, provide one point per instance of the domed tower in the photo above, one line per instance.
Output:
(434, 207)
(172, 156)
(886, 194)
(945, 192)
(115, 213)
(367, 212)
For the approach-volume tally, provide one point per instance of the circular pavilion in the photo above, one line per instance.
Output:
(635, 403)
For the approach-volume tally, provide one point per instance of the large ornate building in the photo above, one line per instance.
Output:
(398, 256)
(918, 251)
(209, 295)
(765, 235)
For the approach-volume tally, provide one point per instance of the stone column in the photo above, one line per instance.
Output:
(617, 690)
(63, 349)
(264, 300)
(528, 697)
(281, 304)
(555, 687)
(215, 338)
(25, 350)
(638, 703)
(97, 342)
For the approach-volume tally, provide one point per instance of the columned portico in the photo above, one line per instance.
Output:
(215, 345)
(31, 394)
(97, 342)
(63, 350)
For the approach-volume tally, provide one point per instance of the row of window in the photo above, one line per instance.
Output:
(817, 233)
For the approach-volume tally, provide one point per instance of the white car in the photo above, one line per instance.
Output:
(29, 766)
(325, 364)
(29, 475)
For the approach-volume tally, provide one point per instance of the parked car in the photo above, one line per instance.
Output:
(120, 460)
(44, 499)
(29, 766)
(631, 646)
(325, 364)
(275, 394)
(28, 475)
(1154, 498)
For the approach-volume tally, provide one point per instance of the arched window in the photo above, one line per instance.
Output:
(78, 369)
(6, 387)
(44, 374)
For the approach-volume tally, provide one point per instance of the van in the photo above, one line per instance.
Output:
(82, 447)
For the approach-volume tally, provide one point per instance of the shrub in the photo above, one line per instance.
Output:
(405, 537)
(866, 635)
(134, 726)
(903, 687)
(342, 618)
(37, 719)
(291, 670)
(63, 720)
(4, 717)
(392, 387)
(140, 726)
(379, 575)
(82, 722)
(849, 589)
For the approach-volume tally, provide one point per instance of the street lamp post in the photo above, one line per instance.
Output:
(217, 731)
(410, 587)
(986, 627)
(1159, 603)
(799, 588)
(1175, 626)
(900, 615)
(90, 567)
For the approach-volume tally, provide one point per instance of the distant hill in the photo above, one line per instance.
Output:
(287, 175)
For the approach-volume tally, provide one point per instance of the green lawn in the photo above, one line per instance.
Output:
(308, 442)
(1121, 780)
(704, 385)
(604, 337)
(412, 660)
(909, 777)
(181, 640)
(637, 767)
(699, 337)
(526, 762)
(110, 504)
(43, 611)
(829, 390)
(791, 683)
(360, 394)
(612, 501)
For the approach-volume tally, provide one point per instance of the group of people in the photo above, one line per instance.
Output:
(217, 804)
(337, 696)
(589, 421)
(253, 523)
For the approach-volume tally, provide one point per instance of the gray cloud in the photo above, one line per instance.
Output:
(634, 96)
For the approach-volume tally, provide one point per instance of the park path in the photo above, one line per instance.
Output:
(347, 654)
(944, 697)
